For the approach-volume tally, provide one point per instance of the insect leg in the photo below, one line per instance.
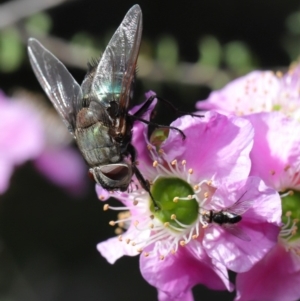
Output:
(159, 125)
(148, 102)
(144, 183)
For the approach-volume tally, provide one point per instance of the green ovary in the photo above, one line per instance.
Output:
(164, 190)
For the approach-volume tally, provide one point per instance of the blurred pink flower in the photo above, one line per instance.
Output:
(21, 137)
(31, 131)
(258, 91)
(207, 171)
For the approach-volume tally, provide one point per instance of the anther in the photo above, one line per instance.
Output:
(160, 151)
(175, 200)
(118, 231)
(135, 223)
(173, 216)
(287, 167)
(101, 198)
(155, 163)
(120, 238)
(209, 182)
(127, 240)
(166, 224)
(105, 207)
(112, 223)
(174, 162)
(182, 243)
(195, 236)
(190, 171)
(161, 257)
(206, 194)
(133, 243)
(183, 162)
(140, 250)
(135, 202)
(196, 187)
(149, 147)
(272, 172)
(146, 254)
(288, 213)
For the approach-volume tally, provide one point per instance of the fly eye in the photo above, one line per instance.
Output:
(115, 172)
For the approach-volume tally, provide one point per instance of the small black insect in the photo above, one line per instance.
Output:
(222, 217)
(229, 217)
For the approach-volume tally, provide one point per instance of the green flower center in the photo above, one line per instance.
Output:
(177, 207)
(291, 211)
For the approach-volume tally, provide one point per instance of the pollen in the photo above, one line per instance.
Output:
(174, 162)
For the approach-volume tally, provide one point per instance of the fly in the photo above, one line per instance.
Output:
(96, 113)
(229, 217)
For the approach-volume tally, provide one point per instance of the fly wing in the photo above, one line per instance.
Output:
(241, 205)
(116, 70)
(236, 231)
(60, 86)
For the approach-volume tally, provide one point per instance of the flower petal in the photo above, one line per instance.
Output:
(260, 224)
(64, 167)
(216, 147)
(178, 273)
(275, 278)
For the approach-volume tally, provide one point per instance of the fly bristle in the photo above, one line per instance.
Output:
(92, 64)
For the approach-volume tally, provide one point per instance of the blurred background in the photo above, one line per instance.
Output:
(50, 217)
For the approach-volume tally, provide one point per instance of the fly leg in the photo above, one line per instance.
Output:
(137, 115)
(148, 102)
(144, 183)
(159, 125)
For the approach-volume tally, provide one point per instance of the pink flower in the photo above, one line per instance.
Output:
(275, 278)
(191, 179)
(276, 159)
(30, 131)
(21, 138)
(258, 91)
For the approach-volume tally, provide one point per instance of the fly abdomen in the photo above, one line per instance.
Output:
(97, 146)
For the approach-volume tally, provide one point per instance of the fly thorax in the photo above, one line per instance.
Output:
(113, 176)
(219, 218)
(85, 118)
